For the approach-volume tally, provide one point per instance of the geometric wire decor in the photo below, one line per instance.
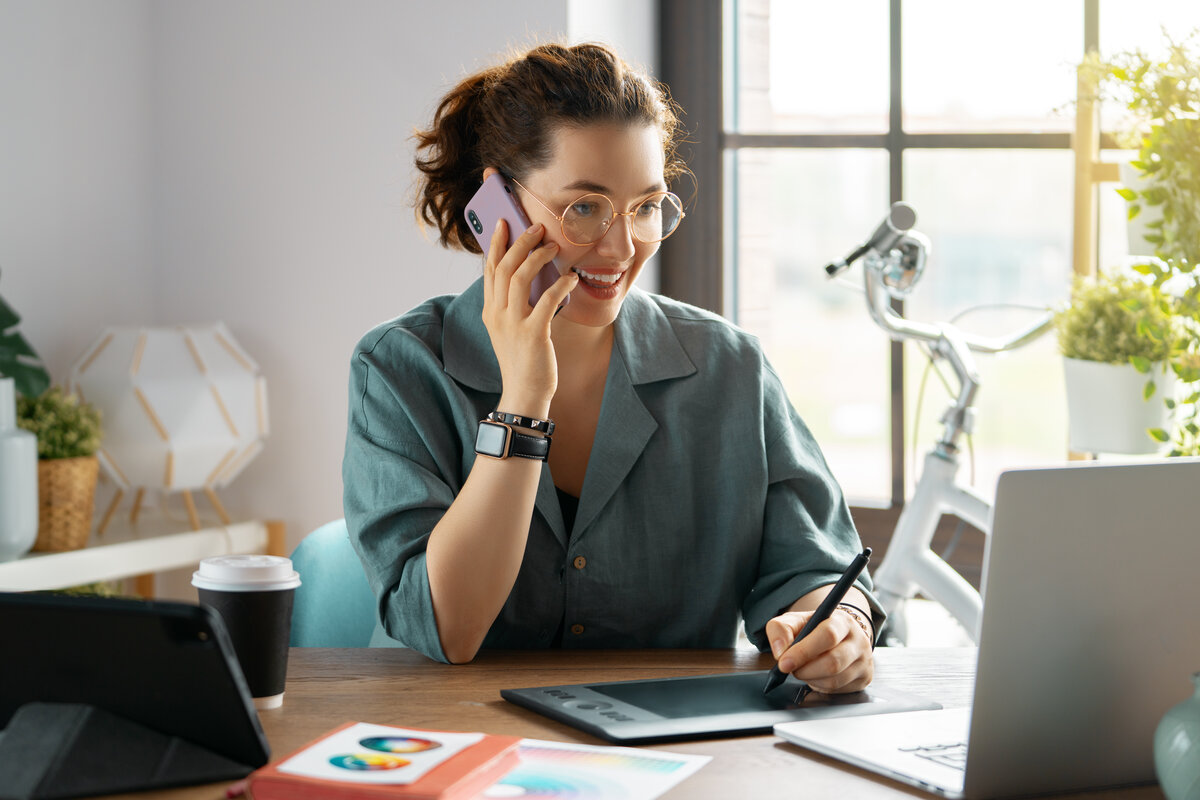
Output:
(184, 409)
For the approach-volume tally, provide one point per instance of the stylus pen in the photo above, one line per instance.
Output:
(835, 596)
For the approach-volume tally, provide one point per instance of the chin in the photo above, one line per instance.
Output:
(584, 311)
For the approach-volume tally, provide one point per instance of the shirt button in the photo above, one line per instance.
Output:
(580, 562)
(577, 629)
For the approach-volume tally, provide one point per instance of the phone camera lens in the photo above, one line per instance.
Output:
(475, 223)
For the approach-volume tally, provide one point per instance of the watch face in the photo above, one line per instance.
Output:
(492, 439)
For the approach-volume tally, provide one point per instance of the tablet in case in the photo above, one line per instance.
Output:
(699, 707)
(101, 695)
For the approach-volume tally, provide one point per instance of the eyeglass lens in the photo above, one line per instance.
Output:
(587, 219)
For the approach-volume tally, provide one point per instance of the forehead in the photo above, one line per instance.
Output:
(626, 159)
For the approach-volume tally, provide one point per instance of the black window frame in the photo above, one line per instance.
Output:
(693, 39)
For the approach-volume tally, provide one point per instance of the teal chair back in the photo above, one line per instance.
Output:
(334, 606)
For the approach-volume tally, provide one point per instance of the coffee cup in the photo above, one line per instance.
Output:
(253, 596)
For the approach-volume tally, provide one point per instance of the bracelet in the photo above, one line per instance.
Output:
(862, 618)
(545, 426)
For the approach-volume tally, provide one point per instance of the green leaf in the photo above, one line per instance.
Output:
(1141, 364)
(1158, 434)
(1133, 210)
(1169, 403)
(17, 359)
(1128, 194)
(1148, 390)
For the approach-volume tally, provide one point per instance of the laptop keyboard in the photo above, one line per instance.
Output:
(950, 755)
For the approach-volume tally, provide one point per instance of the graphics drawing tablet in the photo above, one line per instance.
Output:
(699, 707)
(166, 666)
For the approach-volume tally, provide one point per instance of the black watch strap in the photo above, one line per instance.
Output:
(525, 446)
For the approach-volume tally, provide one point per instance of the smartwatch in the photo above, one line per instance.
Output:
(497, 440)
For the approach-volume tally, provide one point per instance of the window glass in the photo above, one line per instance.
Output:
(1000, 226)
(967, 67)
(799, 71)
(1130, 26)
(797, 210)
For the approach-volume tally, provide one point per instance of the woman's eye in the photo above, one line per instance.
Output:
(583, 209)
(650, 208)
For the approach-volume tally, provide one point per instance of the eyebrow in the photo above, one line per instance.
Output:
(589, 186)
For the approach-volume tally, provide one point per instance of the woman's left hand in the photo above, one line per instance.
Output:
(835, 658)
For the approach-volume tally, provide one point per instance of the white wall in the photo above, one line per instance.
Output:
(244, 161)
(75, 231)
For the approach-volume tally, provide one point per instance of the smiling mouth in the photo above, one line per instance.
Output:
(598, 280)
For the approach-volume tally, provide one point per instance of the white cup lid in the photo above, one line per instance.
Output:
(246, 573)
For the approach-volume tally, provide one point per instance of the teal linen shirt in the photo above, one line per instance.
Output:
(705, 496)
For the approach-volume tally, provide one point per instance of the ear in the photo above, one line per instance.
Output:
(489, 172)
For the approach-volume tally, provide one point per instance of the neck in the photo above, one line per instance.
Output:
(575, 343)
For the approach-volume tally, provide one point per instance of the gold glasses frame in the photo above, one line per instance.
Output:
(670, 197)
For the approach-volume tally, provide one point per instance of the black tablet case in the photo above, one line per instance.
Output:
(102, 696)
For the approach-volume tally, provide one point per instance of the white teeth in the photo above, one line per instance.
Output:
(607, 278)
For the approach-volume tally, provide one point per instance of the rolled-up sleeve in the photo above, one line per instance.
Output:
(397, 485)
(808, 535)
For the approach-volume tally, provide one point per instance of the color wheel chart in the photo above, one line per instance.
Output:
(582, 772)
(379, 754)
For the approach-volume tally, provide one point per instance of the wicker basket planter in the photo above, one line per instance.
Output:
(66, 498)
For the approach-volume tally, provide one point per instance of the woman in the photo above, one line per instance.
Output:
(680, 486)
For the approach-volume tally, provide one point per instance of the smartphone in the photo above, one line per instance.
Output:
(495, 201)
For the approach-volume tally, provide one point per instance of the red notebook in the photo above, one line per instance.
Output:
(368, 762)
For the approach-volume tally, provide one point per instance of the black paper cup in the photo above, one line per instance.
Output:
(253, 596)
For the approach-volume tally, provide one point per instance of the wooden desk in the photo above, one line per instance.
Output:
(400, 687)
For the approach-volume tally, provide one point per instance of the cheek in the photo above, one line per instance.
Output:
(643, 252)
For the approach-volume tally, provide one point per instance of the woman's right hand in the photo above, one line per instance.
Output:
(520, 334)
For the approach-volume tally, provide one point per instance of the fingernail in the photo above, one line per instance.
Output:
(777, 648)
(497, 228)
(786, 666)
(533, 228)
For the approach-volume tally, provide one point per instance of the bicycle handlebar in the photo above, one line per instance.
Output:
(900, 328)
(891, 271)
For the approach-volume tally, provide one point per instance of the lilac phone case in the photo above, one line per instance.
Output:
(495, 201)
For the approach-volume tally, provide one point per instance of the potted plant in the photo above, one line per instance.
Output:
(1116, 336)
(68, 435)
(1162, 98)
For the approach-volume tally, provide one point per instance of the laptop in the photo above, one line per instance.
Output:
(1087, 638)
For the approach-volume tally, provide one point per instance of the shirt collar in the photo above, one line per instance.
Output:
(645, 342)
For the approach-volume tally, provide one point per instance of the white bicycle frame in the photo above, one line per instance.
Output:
(910, 565)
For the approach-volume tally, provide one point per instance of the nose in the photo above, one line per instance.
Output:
(617, 242)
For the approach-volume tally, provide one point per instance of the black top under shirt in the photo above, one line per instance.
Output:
(569, 504)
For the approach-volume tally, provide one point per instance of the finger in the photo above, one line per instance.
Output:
(823, 638)
(548, 305)
(522, 279)
(854, 678)
(495, 254)
(827, 664)
(782, 630)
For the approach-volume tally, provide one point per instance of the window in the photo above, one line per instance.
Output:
(831, 111)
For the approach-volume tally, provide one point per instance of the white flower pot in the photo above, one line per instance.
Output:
(1106, 412)
(1137, 227)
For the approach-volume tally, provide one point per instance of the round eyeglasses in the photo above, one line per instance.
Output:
(586, 220)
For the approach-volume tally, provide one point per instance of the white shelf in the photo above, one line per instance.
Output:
(128, 554)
